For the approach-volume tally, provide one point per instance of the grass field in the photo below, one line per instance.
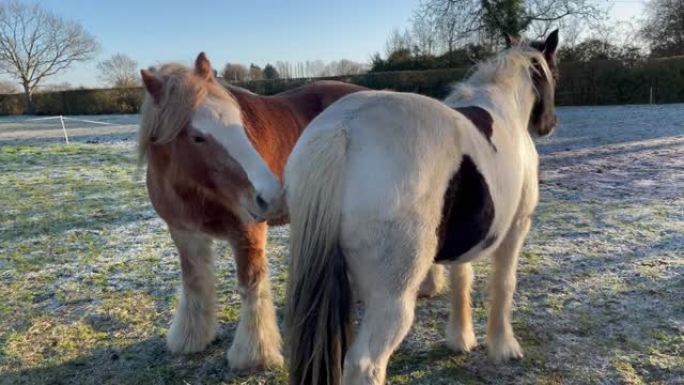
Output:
(88, 273)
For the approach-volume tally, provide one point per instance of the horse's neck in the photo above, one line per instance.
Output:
(510, 103)
(271, 126)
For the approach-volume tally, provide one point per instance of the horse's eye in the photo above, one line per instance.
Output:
(198, 139)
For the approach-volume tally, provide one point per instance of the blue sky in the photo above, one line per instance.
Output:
(247, 31)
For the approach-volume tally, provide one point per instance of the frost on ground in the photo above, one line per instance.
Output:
(84, 129)
(88, 274)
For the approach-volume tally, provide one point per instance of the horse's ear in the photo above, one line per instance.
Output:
(551, 43)
(153, 84)
(203, 67)
(511, 39)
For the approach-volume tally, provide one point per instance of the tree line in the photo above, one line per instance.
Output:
(36, 44)
(455, 33)
(286, 70)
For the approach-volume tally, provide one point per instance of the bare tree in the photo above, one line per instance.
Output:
(235, 72)
(255, 72)
(119, 71)
(424, 34)
(35, 44)
(459, 22)
(398, 41)
(343, 67)
(573, 28)
(348, 67)
(313, 68)
(454, 21)
(298, 71)
(305, 69)
(284, 68)
(8, 87)
(664, 27)
(542, 16)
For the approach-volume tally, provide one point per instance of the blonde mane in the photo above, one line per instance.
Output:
(182, 92)
(504, 69)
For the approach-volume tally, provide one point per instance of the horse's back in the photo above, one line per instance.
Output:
(401, 150)
(311, 99)
(323, 87)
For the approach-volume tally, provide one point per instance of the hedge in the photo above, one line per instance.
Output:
(613, 82)
(429, 82)
(76, 102)
(592, 83)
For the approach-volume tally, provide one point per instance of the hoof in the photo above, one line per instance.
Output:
(247, 358)
(461, 342)
(504, 348)
(182, 339)
(257, 342)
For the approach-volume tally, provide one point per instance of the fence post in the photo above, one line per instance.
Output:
(66, 137)
(650, 96)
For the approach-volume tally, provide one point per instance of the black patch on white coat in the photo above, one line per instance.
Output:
(481, 119)
(467, 214)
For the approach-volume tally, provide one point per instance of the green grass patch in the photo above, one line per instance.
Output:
(89, 280)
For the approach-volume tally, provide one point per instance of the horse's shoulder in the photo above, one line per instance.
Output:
(481, 118)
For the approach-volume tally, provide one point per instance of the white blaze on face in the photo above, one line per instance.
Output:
(222, 121)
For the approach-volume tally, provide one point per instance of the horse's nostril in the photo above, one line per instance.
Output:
(261, 202)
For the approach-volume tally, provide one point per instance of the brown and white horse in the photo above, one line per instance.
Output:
(382, 184)
(215, 160)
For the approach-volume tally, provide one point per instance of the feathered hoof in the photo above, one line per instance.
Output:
(504, 348)
(185, 340)
(462, 342)
(242, 357)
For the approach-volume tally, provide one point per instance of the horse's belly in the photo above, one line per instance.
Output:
(481, 202)
(467, 214)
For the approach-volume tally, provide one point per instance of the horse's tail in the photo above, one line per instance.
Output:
(319, 293)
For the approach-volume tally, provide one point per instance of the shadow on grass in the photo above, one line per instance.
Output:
(608, 306)
(144, 362)
(434, 365)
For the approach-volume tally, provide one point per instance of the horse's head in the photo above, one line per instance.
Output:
(194, 128)
(543, 118)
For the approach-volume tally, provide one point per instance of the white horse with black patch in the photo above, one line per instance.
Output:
(383, 184)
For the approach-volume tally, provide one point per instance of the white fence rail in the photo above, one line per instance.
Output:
(63, 121)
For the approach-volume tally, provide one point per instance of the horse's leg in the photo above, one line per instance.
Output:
(501, 341)
(388, 278)
(433, 284)
(386, 322)
(460, 336)
(194, 325)
(257, 341)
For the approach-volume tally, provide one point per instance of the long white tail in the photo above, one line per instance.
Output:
(319, 294)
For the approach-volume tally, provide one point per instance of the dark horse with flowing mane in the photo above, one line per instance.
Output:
(215, 162)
